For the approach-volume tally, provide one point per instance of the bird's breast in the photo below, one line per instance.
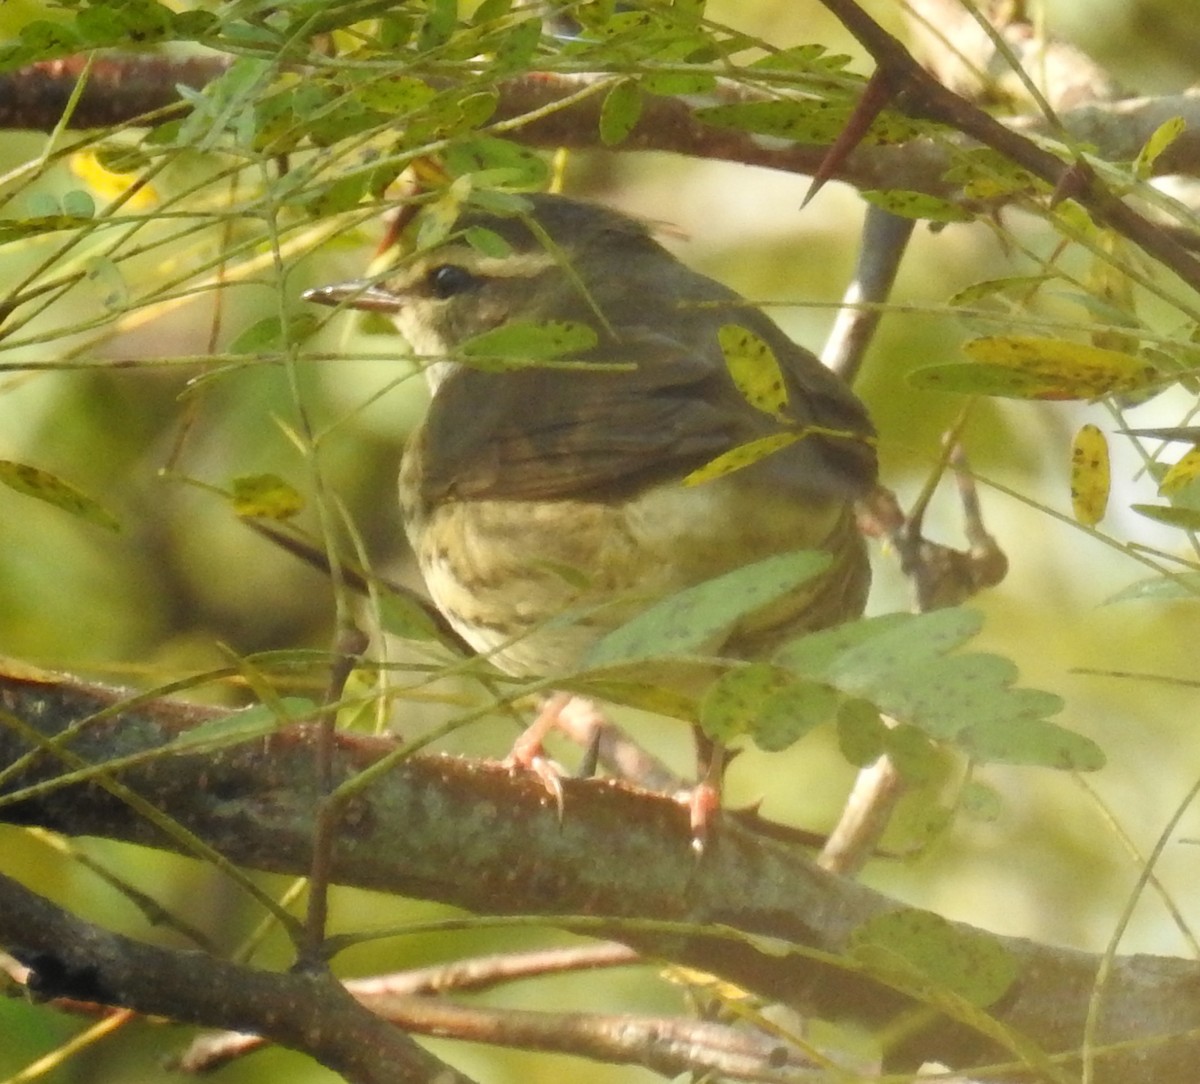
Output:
(535, 583)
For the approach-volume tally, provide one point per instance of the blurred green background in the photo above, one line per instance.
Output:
(185, 583)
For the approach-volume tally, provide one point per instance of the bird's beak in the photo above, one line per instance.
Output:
(355, 295)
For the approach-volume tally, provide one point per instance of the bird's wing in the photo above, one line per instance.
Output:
(599, 434)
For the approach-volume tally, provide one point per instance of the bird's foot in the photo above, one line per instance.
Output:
(703, 800)
(528, 753)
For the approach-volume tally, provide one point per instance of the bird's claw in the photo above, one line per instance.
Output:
(546, 770)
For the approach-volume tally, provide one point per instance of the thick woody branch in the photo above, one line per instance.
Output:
(308, 1011)
(122, 89)
(619, 856)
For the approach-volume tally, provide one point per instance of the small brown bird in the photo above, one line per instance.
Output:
(535, 492)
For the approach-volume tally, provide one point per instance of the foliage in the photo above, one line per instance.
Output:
(167, 382)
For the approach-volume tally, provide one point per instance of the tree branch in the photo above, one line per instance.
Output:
(308, 1011)
(620, 859)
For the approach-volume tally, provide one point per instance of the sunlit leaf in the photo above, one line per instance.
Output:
(1091, 475)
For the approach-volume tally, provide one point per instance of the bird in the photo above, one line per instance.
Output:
(547, 504)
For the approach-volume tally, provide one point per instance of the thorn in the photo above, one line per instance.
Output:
(875, 98)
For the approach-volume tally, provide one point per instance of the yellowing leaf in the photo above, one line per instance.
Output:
(265, 495)
(755, 370)
(1027, 367)
(741, 456)
(918, 205)
(44, 486)
(1160, 139)
(108, 183)
(1091, 475)
(1182, 474)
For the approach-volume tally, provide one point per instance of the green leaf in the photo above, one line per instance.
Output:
(516, 48)
(620, 111)
(1022, 287)
(755, 370)
(765, 703)
(497, 160)
(242, 726)
(266, 496)
(691, 621)
(44, 486)
(394, 95)
(878, 645)
(441, 17)
(789, 714)
(79, 203)
(1033, 742)
(343, 193)
(269, 335)
(912, 945)
(980, 802)
(861, 732)
(912, 753)
(918, 205)
(1183, 585)
(528, 341)
(1186, 518)
(734, 701)
(805, 120)
(404, 617)
(487, 242)
(901, 664)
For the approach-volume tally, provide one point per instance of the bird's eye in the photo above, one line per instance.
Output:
(449, 279)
